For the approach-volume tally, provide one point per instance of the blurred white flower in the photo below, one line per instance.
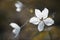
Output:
(16, 29)
(18, 6)
(41, 19)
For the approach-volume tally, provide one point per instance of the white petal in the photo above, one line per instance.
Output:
(14, 25)
(16, 32)
(45, 13)
(41, 26)
(49, 21)
(18, 9)
(38, 13)
(34, 20)
(18, 4)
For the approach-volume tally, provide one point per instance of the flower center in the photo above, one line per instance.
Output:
(41, 19)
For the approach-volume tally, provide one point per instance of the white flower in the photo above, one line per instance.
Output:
(18, 6)
(41, 19)
(16, 29)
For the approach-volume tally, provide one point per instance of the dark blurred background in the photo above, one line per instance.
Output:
(8, 14)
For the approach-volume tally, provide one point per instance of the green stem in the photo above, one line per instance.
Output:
(50, 35)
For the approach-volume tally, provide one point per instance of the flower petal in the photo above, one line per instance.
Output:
(45, 13)
(18, 9)
(49, 21)
(18, 4)
(14, 25)
(41, 26)
(34, 20)
(16, 32)
(38, 13)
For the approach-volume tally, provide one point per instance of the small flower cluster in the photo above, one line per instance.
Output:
(41, 19)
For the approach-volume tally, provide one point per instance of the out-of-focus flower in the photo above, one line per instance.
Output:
(18, 6)
(16, 29)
